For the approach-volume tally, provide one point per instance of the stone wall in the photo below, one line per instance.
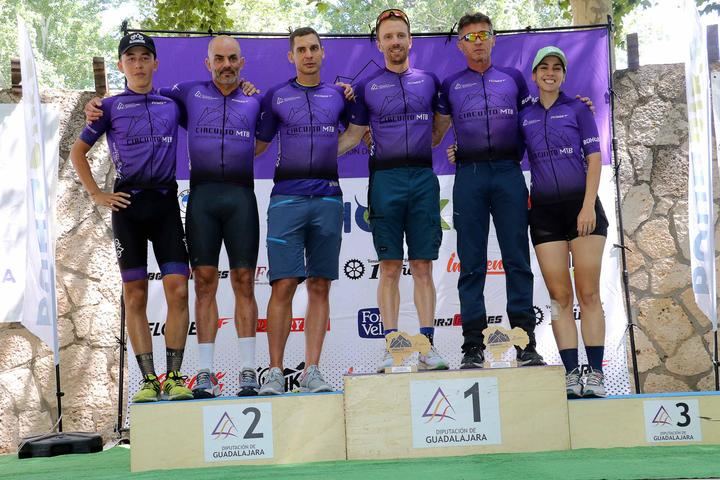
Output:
(674, 340)
(673, 344)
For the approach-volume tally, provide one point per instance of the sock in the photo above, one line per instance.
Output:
(174, 358)
(246, 347)
(595, 356)
(569, 358)
(429, 332)
(146, 364)
(206, 352)
(388, 331)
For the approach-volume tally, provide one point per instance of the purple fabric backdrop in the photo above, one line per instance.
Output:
(182, 59)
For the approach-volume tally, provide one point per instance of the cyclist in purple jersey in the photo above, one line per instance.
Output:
(305, 214)
(483, 103)
(220, 117)
(566, 216)
(141, 128)
(399, 103)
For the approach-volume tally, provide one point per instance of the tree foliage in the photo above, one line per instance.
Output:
(187, 15)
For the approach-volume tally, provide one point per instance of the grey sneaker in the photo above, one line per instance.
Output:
(594, 384)
(529, 357)
(474, 357)
(573, 384)
(206, 385)
(386, 362)
(312, 381)
(248, 383)
(274, 383)
(432, 361)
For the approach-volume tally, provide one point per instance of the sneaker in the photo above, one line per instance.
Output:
(274, 383)
(206, 385)
(149, 391)
(248, 383)
(312, 381)
(174, 387)
(594, 384)
(573, 384)
(473, 358)
(432, 361)
(386, 362)
(529, 357)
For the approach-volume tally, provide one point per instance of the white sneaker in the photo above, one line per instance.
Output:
(573, 384)
(386, 362)
(432, 361)
(594, 384)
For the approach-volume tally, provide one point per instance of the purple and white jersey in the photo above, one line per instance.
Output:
(142, 137)
(399, 108)
(306, 120)
(485, 110)
(221, 131)
(558, 140)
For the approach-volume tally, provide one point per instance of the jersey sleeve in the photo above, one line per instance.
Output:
(588, 129)
(359, 114)
(267, 126)
(178, 93)
(443, 98)
(91, 133)
(524, 98)
(436, 97)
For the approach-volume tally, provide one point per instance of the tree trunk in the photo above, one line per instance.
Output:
(590, 12)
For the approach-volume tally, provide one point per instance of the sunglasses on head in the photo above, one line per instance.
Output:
(392, 12)
(473, 36)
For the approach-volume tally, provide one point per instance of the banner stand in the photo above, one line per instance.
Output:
(122, 344)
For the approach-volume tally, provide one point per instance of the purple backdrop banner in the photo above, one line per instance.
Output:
(182, 59)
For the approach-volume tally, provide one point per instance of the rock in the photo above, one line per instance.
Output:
(89, 249)
(633, 256)
(669, 172)
(83, 291)
(105, 326)
(660, 383)
(667, 275)
(20, 384)
(637, 207)
(679, 219)
(15, 348)
(688, 301)
(66, 332)
(640, 280)
(654, 239)
(35, 423)
(691, 358)
(665, 322)
(647, 356)
(648, 120)
(672, 85)
(9, 425)
(44, 372)
(642, 160)
(75, 205)
(78, 418)
(707, 383)
(93, 388)
(663, 205)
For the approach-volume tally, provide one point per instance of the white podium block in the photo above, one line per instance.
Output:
(645, 420)
(291, 428)
(459, 412)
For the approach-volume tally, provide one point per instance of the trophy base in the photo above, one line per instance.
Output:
(500, 364)
(401, 369)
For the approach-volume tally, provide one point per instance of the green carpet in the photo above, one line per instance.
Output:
(616, 463)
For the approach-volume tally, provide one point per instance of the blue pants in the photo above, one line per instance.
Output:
(481, 189)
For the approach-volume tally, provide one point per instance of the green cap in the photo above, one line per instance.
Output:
(549, 51)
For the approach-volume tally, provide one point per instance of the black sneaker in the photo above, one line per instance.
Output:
(473, 358)
(529, 357)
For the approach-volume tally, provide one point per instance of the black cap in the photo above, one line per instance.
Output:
(136, 39)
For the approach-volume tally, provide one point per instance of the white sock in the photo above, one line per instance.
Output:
(206, 352)
(246, 347)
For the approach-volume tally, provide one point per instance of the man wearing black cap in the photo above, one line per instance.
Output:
(141, 128)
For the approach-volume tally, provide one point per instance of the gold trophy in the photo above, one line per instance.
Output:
(401, 345)
(498, 341)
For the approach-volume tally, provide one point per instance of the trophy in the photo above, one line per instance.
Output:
(401, 345)
(498, 341)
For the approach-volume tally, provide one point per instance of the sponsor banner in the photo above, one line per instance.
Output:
(672, 421)
(455, 413)
(234, 433)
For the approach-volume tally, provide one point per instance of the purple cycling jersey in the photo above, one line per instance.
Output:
(306, 120)
(399, 108)
(142, 137)
(221, 131)
(484, 109)
(558, 139)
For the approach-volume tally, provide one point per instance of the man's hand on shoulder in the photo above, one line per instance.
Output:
(586, 101)
(92, 110)
(348, 91)
(249, 88)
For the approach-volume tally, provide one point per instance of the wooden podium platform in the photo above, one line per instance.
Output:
(460, 412)
(290, 428)
(645, 420)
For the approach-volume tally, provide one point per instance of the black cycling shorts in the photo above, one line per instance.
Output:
(555, 222)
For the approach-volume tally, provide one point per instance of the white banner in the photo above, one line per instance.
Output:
(39, 306)
(700, 192)
(354, 343)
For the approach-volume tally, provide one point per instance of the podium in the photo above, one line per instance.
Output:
(290, 428)
(460, 412)
(645, 420)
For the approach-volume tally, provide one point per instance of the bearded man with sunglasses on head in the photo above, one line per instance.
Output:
(483, 102)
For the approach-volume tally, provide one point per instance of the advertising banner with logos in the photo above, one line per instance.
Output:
(354, 342)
